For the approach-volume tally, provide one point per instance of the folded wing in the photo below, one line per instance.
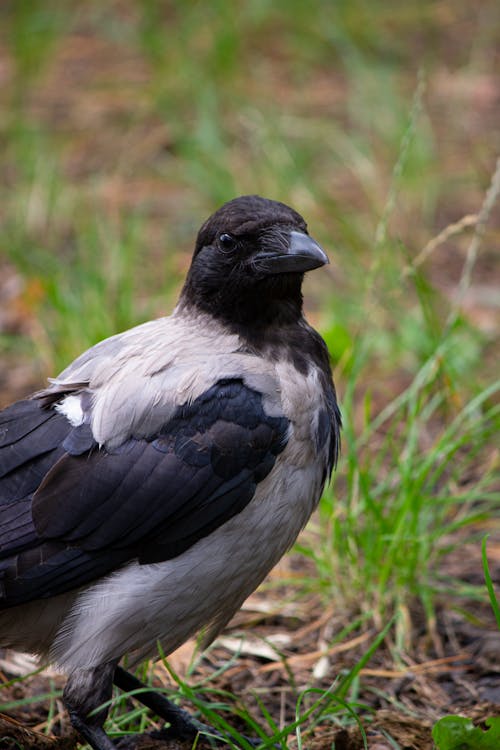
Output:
(71, 512)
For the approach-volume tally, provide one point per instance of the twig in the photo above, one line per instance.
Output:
(470, 220)
(472, 251)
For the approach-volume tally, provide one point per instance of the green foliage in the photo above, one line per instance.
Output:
(383, 542)
(213, 705)
(489, 584)
(459, 733)
(34, 29)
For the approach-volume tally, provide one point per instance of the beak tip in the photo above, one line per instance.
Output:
(305, 246)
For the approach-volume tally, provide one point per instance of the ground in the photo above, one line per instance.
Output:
(271, 652)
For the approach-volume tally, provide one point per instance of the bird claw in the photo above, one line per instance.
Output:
(207, 735)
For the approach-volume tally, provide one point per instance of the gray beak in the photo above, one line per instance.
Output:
(300, 254)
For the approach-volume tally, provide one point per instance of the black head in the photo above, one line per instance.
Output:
(249, 262)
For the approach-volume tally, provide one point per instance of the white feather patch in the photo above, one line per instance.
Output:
(71, 408)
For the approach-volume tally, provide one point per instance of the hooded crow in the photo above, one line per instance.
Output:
(152, 486)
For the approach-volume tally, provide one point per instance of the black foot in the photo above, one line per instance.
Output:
(94, 735)
(182, 725)
(209, 738)
(162, 739)
(86, 690)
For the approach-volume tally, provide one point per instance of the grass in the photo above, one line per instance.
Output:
(404, 499)
(124, 125)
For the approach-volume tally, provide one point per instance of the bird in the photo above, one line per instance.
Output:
(154, 483)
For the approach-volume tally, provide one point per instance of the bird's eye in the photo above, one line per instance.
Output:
(227, 242)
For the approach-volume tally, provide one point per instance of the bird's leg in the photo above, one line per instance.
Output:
(182, 724)
(85, 691)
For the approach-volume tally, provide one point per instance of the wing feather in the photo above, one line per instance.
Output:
(147, 499)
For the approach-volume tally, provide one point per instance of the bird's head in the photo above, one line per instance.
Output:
(249, 262)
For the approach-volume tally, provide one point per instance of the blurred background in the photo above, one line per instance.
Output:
(124, 124)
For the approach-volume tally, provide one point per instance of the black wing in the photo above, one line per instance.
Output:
(70, 512)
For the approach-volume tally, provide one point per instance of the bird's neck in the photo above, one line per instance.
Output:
(271, 326)
(251, 311)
